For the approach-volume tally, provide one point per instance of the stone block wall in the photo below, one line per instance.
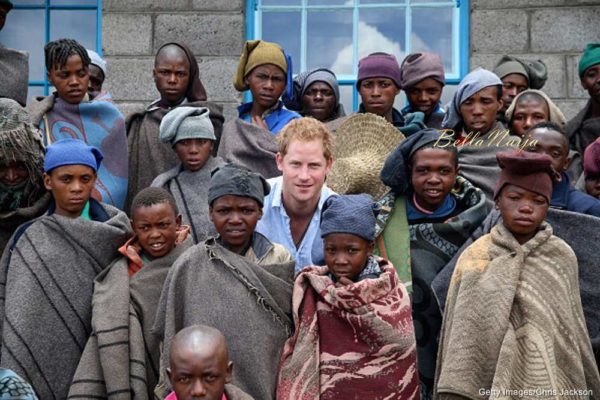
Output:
(555, 31)
(133, 30)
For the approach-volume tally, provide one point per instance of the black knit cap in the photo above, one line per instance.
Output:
(235, 180)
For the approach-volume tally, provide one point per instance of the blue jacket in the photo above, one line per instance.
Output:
(566, 197)
(275, 119)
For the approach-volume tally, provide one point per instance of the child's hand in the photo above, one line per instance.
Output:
(343, 281)
(256, 120)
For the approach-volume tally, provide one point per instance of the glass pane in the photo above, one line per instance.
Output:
(381, 30)
(329, 42)
(346, 93)
(280, 2)
(329, 2)
(28, 2)
(74, 2)
(34, 91)
(438, 40)
(452, 2)
(74, 24)
(24, 30)
(382, 1)
(284, 28)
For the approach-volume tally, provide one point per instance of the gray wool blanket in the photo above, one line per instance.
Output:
(148, 156)
(14, 72)
(10, 221)
(514, 321)
(122, 357)
(576, 230)
(46, 286)
(250, 146)
(250, 304)
(190, 190)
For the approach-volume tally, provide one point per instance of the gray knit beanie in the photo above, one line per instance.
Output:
(186, 123)
(355, 214)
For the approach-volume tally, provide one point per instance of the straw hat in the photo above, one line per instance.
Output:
(362, 144)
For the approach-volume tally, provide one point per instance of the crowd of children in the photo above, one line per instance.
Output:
(176, 255)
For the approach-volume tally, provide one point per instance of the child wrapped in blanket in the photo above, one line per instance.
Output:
(354, 335)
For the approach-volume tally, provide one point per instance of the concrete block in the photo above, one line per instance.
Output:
(217, 77)
(499, 31)
(127, 34)
(574, 82)
(570, 108)
(556, 85)
(145, 5)
(511, 4)
(218, 5)
(564, 29)
(130, 79)
(129, 108)
(206, 35)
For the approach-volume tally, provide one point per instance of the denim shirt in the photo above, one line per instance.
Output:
(275, 118)
(275, 225)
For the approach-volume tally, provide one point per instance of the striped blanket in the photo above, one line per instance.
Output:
(122, 356)
(46, 285)
(351, 342)
(514, 322)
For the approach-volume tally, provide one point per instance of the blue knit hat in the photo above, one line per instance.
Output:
(72, 152)
(355, 214)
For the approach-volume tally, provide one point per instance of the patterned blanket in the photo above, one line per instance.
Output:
(513, 321)
(351, 342)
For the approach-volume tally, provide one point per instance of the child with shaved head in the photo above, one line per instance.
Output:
(199, 366)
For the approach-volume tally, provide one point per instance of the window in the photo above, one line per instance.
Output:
(33, 23)
(337, 33)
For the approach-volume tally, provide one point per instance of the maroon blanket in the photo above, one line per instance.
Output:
(351, 342)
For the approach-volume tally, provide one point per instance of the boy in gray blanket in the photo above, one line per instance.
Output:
(192, 137)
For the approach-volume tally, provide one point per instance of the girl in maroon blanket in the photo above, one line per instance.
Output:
(354, 336)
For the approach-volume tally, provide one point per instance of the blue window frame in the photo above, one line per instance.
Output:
(337, 33)
(33, 23)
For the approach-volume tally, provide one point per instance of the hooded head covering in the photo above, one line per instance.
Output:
(396, 169)
(235, 180)
(303, 81)
(535, 72)
(528, 170)
(419, 66)
(379, 65)
(589, 58)
(556, 115)
(259, 52)
(20, 141)
(186, 123)
(195, 90)
(355, 214)
(476, 80)
(591, 159)
(96, 60)
(14, 72)
(72, 152)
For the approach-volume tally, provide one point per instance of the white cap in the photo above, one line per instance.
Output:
(97, 60)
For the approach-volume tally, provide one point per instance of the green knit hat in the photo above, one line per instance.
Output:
(590, 57)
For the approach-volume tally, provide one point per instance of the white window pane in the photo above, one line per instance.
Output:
(24, 30)
(74, 24)
(28, 2)
(434, 1)
(382, 1)
(329, 42)
(279, 2)
(438, 40)
(328, 2)
(381, 30)
(346, 93)
(73, 2)
(284, 28)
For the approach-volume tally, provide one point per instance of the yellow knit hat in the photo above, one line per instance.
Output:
(255, 53)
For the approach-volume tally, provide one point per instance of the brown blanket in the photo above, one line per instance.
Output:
(250, 146)
(122, 356)
(148, 156)
(351, 342)
(513, 321)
